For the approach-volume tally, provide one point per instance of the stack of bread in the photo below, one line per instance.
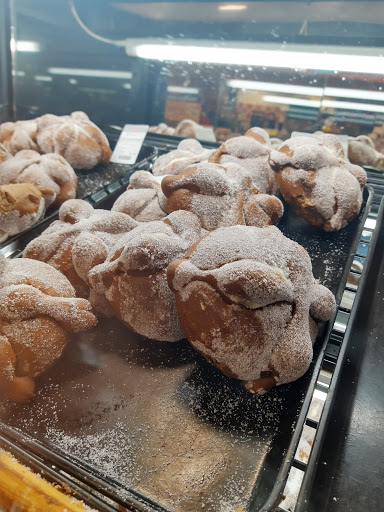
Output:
(192, 251)
(42, 153)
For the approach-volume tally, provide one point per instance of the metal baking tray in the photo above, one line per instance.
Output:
(93, 185)
(156, 427)
(354, 445)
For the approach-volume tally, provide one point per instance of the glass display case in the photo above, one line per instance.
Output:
(136, 424)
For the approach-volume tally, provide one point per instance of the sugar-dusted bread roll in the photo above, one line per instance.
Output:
(50, 171)
(251, 151)
(21, 206)
(4, 153)
(220, 195)
(247, 300)
(78, 241)
(318, 181)
(19, 135)
(187, 129)
(38, 310)
(75, 138)
(188, 152)
(133, 277)
(361, 151)
(143, 200)
(162, 129)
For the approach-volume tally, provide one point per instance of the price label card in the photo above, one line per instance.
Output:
(205, 133)
(129, 144)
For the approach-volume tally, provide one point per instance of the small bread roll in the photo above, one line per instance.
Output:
(317, 180)
(75, 138)
(38, 310)
(21, 206)
(220, 195)
(133, 277)
(143, 200)
(188, 152)
(51, 172)
(19, 135)
(251, 151)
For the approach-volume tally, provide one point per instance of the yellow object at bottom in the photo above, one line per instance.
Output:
(24, 491)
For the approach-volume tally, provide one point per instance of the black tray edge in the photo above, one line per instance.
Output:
(276, 494)
(306, 487)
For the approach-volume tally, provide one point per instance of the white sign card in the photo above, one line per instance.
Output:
(129, 144)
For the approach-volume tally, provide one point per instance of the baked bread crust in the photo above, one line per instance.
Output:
(188, 152)
(21, 206)
(220, 195)
(19, 135)
(318, 182)
(38, 309)
(75, 138)
(361, 151)
(247, 300)
(78, 241)
(133, 277)
(143, 200)
(50, 171)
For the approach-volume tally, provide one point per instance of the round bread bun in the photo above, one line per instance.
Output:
(247, 300)
(38, 311)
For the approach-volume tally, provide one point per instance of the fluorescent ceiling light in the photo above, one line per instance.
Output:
(352, 106)
(100, 73)
(287, 100)
(307, 90)
(267, 58)
(182, 90)
(233, 7)
(24, 46)
(354, 93)
(127, 86)
(273, 87)
(43, 78)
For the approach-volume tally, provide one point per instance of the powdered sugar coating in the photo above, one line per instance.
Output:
(162, 128)
(75, 138)
(186, 129)
(189, 151)
(79, 240)
(133, 277)
(243, 296)
(20, 208)
(144, 199)
(4, 153)
(252, 152)
(50, 171)
(37, 309)
(317, 180)
(361, 151)
(19, 135)
(220, 195)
